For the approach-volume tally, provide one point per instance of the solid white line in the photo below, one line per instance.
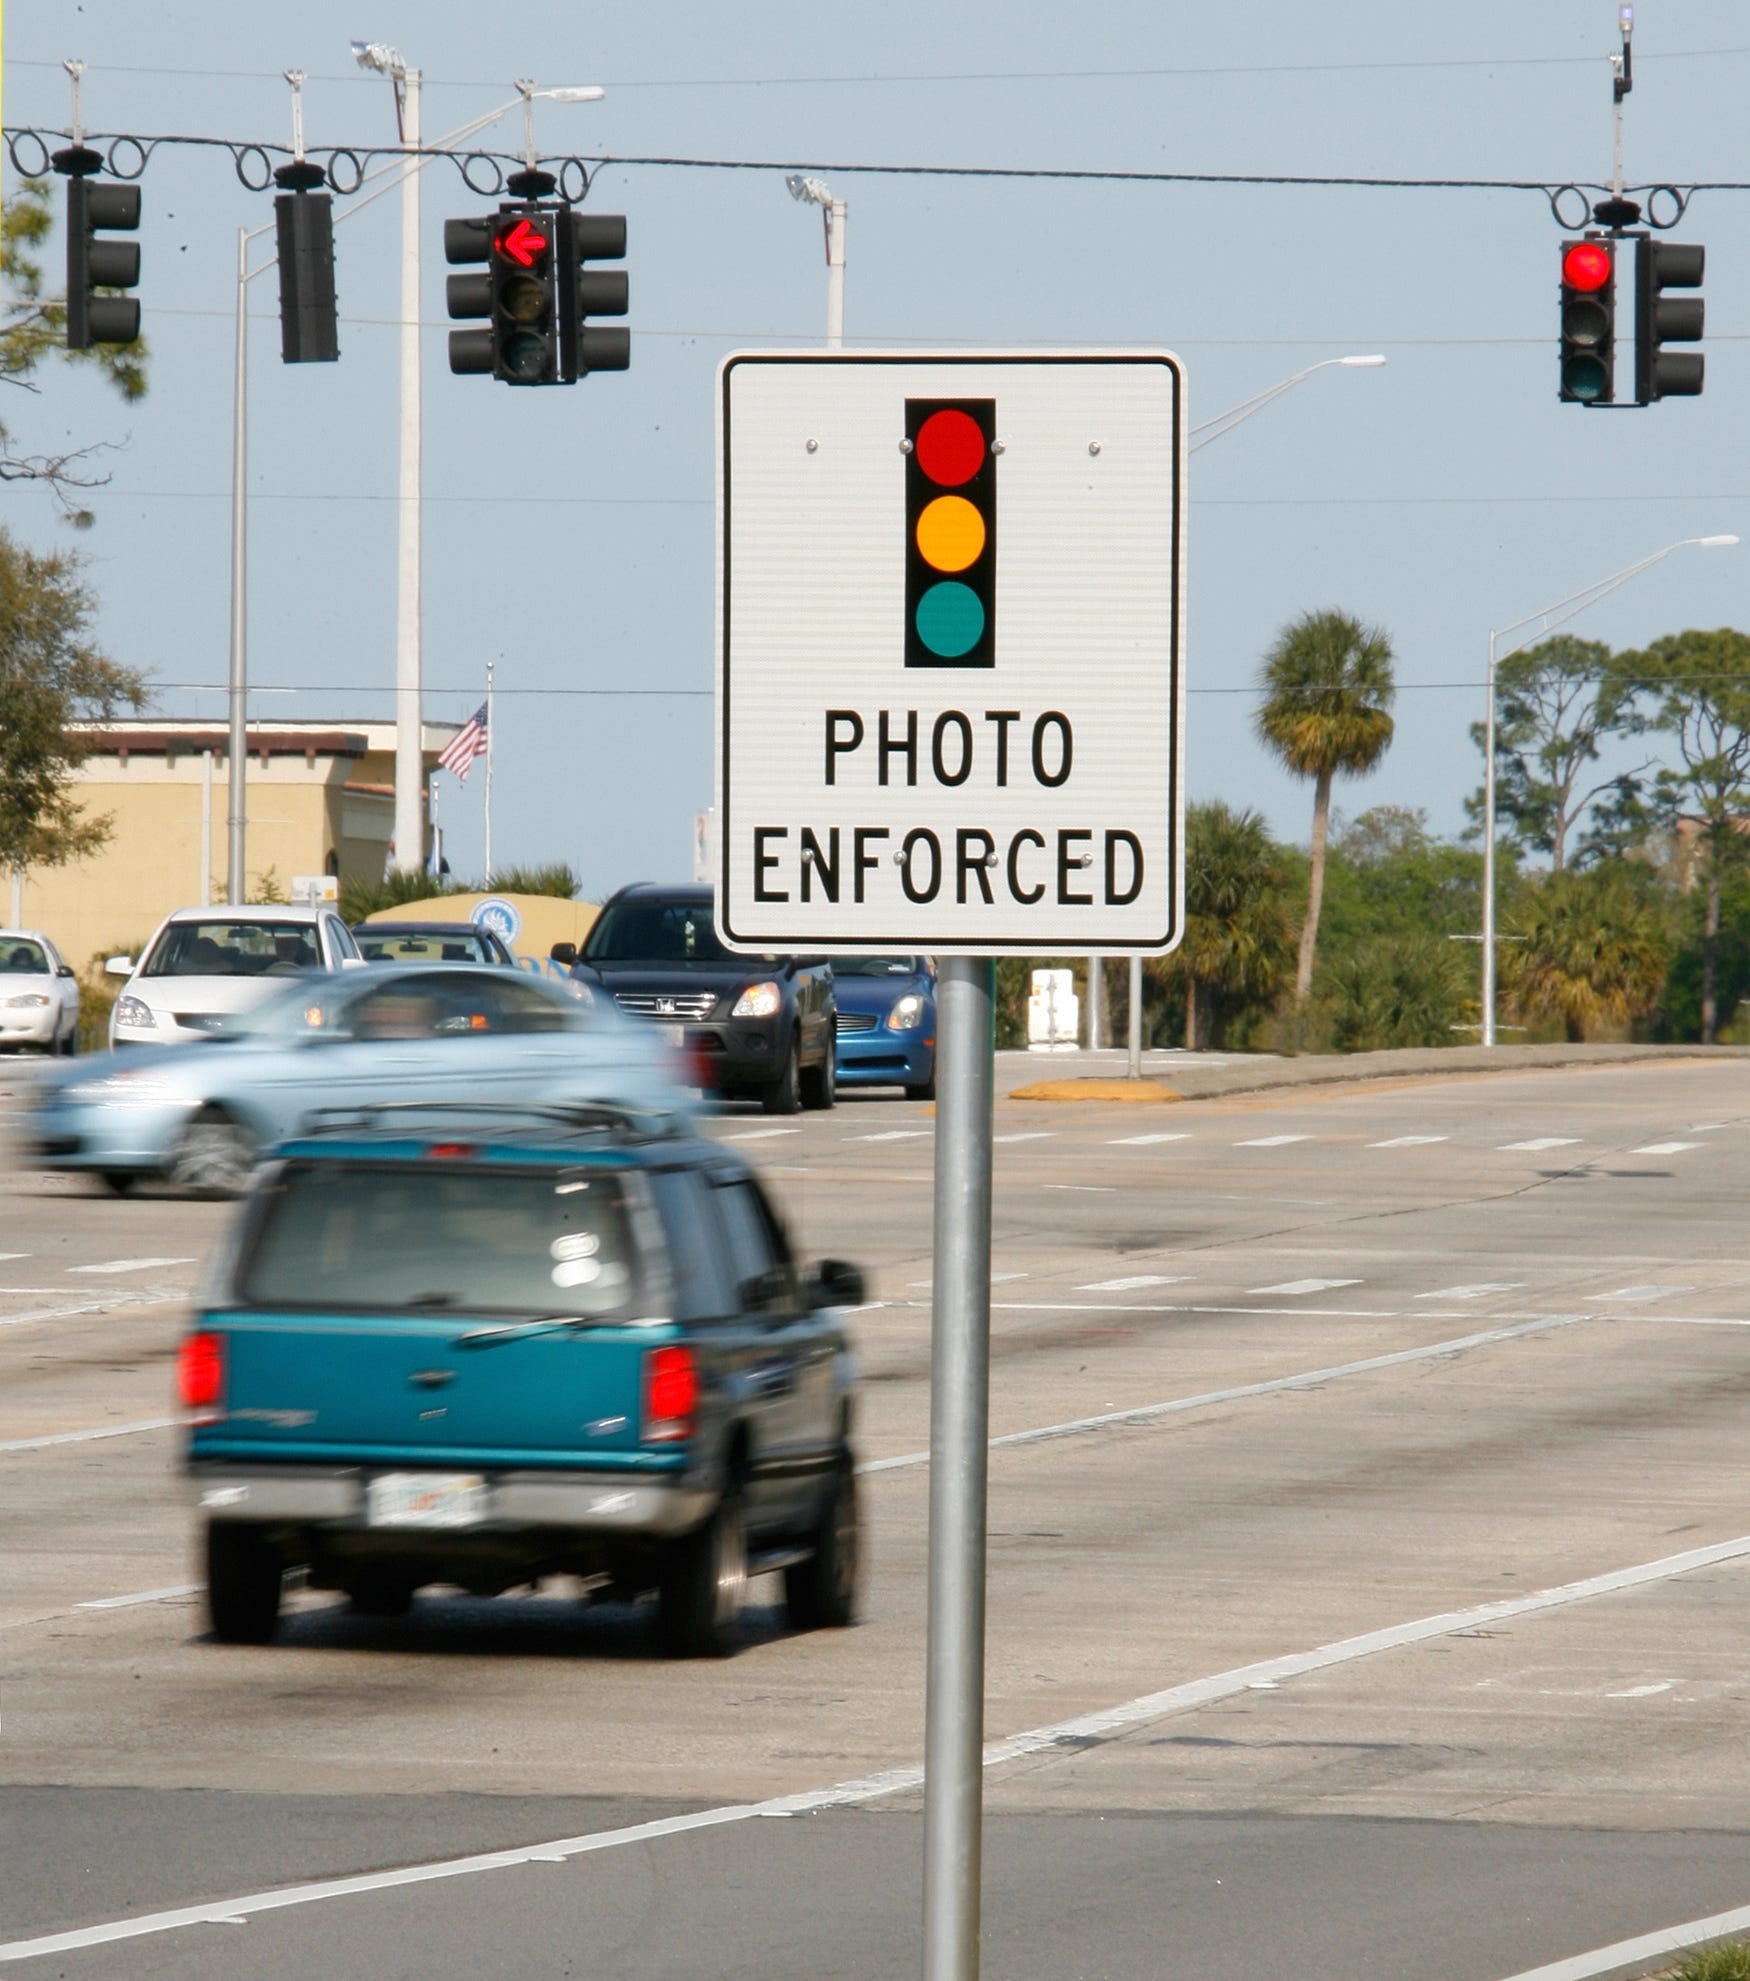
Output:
(129, 1265)
(1476, 1292)
(143, 1596)
(1078, 1733)
(1673, 1939)
(86, 1437)
(104, 1303)
(1663, 1148)
(1272, 1141)
(1409, 1141)
(1143, 1141)
(1305, 1286)
(1274, 1386)
(1135, 1280)
(760, 1134)
(1545, 1142)
(893, 1135)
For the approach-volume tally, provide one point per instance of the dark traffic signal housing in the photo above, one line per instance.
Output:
(1662, 374)
(1588, 322)
(95, 265)
(586, 292)
(304, 237)
(537, 295)
(950, 532)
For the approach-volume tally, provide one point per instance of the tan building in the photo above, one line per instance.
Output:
(320, 799)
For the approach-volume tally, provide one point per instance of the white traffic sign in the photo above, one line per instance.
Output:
(951, 611)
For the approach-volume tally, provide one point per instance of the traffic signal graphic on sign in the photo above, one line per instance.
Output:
(950, 533)
(1588, 322)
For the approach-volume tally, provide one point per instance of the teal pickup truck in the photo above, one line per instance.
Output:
(484, 1347)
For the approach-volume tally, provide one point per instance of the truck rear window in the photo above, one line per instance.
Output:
(432, 1238)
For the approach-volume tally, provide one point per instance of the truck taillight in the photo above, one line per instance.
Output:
(671, 1394)
(200, 1375)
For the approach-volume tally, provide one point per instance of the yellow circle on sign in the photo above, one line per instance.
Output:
(950, 533)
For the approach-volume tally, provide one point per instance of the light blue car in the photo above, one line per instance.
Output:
(199, 1115)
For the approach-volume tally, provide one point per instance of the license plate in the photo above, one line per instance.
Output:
(426, 1499)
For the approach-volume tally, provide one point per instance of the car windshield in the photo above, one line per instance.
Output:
(647, 931)
(231, 948)
(416, 1005)
(21, 954)
(433, 1238)
(878, 966)
(424, 946)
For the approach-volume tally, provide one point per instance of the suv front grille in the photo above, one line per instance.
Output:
(662, 1004)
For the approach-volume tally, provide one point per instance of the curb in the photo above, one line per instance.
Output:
(1131, 1091)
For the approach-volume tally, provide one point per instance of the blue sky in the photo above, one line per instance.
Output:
(568, 533)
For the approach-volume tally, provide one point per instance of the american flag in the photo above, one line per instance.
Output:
(468, 743)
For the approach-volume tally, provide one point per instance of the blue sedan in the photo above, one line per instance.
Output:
(887, 1023)
(198, 1115)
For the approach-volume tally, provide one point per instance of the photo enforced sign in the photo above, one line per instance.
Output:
(950, 631)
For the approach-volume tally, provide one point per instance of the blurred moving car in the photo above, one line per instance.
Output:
(755, 1025)
(522, 1343)
(39, 995)
(430, 942)
(200, 1115)
(204, 965)
(887, 1023)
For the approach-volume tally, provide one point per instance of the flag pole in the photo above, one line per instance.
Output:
(489, 729)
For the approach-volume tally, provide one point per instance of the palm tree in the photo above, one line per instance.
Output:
(1593, 950)
(1327, 687)
(1237, 930)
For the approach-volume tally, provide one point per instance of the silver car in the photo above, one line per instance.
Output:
(39, 995)
(200, 1114)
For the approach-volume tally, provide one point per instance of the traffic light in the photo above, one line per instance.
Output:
(525, 321)
(304, 232)
(469, 295)
(950, 532)
(1662, 374)
(94, 264)
(1588, 322)
(587, 292)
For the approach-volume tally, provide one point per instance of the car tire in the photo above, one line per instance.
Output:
(244, 1579)
(821, 1592)
(925, 1090)
(70, 1044)
(704, 1581)
(213, 1156)
(784, 1095)
(820, 1084)
(118, 1182)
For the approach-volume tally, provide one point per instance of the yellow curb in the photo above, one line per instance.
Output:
(1096, 1090)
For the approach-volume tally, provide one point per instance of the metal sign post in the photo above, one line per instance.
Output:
(951, 610)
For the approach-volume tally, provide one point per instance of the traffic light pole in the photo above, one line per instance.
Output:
(409, 756)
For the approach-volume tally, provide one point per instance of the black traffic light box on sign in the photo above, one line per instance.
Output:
(1660, 265)
(304, 237)
(1588, 325)
(94, 264)
(950, 532)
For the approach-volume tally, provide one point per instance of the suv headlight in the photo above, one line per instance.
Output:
(759, 1001)
(907, 1014)
(135, 1011)
(26, 1001)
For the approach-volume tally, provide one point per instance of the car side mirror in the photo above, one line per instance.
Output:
(354, 963)
(119, 966)
(564, 952)
(836, 1283)
(762, 1290)
(66, 970)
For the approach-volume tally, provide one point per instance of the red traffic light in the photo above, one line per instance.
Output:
(519, 242)
(1586, 266)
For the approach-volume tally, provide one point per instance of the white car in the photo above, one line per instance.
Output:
(39, 995)
(204, 965)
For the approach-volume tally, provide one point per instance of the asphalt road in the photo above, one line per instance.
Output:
(1395, 1627)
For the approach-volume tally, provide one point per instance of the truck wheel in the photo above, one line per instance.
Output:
(821, 1592)
(784, 1095)
(820, 1085)
(213, 1157)
(703, 1582)
(243, 1583)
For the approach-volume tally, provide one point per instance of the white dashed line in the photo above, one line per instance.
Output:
(1136, 1280)
(760, 1134)
(129, 1265)
(1092, 1189)
(1480, 1291)
(924, 1285)
(894, 1135)
(1272, 1141)
(1027, 1135)
(144, 1596)
(115, 1301)
(1644, 1292)
(1707, 1127)
(1409, 1141)
(1546, 1142)
(86, 1437)
(1305, 1286)
(1144, 1141)
(1663, 1148)
(14, 1255)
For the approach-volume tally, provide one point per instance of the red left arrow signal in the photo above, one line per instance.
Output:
(522, 243)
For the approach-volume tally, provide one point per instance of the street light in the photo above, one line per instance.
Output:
(1545, 622)
(1212, 430)
(832, 213)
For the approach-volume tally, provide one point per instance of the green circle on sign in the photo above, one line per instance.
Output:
(950, 619)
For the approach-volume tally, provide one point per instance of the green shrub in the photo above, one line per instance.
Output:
(1729, 1961)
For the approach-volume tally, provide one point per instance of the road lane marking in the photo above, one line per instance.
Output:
(894, 1135)
(129, 1265)
(86, 1437)
(1305, 1286)
(924, 1285)
(1088, 1189)
(1631, 1953)
(1644, 1292)
(1663, 1148)
(1479, 1291)
(1273, 1386)
(760, 1134)
(1027, 1135)
(105, 1303)
(14, 1255)
(1135, 1280)
(1707, 1127)
(1546, 1142)
(1144, 1141)
(1272, 1141)
(143, 1596)
(1409, 1141)
(1075, 1735)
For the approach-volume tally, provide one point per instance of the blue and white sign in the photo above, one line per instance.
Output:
(500, 917)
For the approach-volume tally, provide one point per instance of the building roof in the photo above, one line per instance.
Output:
(158, 736)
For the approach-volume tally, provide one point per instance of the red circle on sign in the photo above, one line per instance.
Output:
(1586, 266)
(950, 447)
